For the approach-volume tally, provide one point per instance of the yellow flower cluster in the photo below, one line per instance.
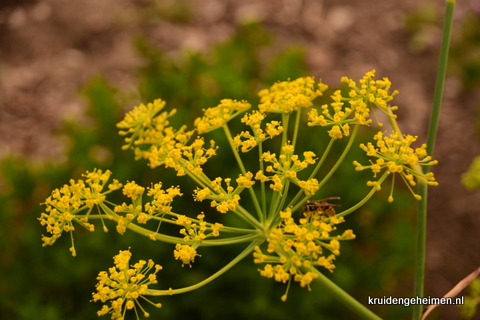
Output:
(190, 157)
(64, 204)
(371, 93)
(185, 253)
(254, 120)
(294, 247)
(133, 190)
(301, 245)
(289, 96)
(224, 200)
(286, 168)
(132, 211)
(218, 116)
(153, 139)
(160, 205)
(144, 124)
(124, 285)
(195, 233)
(162, 199)
(341, 118)
(395, 154)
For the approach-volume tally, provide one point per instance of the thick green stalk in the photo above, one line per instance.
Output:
(421, 249)
(332, 289)
(440, 81)
(432, 132)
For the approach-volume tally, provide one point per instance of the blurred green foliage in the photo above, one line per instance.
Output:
(50, 284)
(464, 60)
(423, 24)
(469, 309)
(464, 53)
(471, 178)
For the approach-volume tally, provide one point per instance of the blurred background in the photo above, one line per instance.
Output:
(70, 70)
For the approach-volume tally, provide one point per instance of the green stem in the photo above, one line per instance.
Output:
(174, 222)
(274, 201)
(332, 289)
(332, 170)
(274, 216)
(324, 156)
(297, 124)
(393, 121)
(202, 180)
(314, 172)
(342, 157)
(440, 81)
(284, 197)
(242, 169)
(421, 245)
(240, 212)
(174, 240)
(285, 118)
(262, 183)
(237, 259)
(366, 198)
(431, 136)
(234, 150)
(245, 215)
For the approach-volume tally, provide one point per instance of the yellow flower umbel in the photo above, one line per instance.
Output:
(285, 181)
(361, 100)
(218, 116)
(159, 206)
(132, 211)
(162, 200)
(375, 93)
(64, 206)
(153, 139)
(195, 233)
(303, 245)
(224, 200)
(145, 124)
(395, 154)
(246, 141)
(289, 96)
(124, 285)
(286, 168)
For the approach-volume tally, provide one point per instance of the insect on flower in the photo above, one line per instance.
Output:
(320, 206)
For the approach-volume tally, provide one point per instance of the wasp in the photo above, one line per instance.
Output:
(320, 206)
